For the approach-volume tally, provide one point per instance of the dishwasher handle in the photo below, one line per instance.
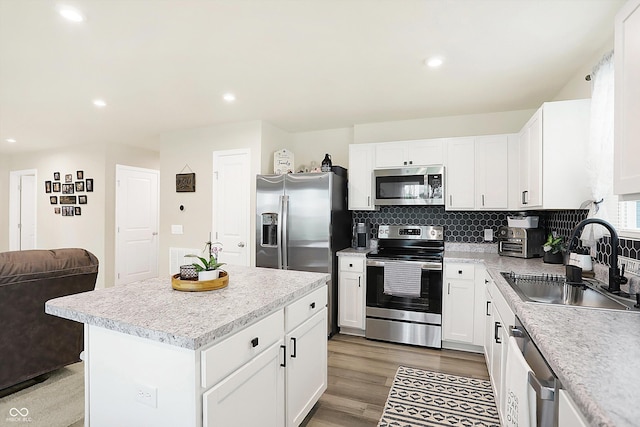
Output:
(542, 391)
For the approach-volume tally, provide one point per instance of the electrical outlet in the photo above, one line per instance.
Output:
(631, 266)
(146, 395)
(488, 235)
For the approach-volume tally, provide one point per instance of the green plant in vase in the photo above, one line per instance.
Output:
(553, 250)
(208, 268)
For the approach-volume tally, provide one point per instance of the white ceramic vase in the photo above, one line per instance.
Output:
(208, 275)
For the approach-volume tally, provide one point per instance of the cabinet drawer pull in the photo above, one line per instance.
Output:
(294, 348)
(284, 359)
(254, 342)
(312, 305)
(350, 265)
(486, 282)
(459, 271)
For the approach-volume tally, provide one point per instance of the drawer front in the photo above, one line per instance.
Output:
(460, 271)
(227, 356)
(354, 264)
(310, 304)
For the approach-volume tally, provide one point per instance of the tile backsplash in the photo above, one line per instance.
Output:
(468, 226)
(463, 226)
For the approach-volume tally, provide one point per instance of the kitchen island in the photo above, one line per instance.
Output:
(593, 352)
(156, 356)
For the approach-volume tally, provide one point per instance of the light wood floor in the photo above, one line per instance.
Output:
(361, 373)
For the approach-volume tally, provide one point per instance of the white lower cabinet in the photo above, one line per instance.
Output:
(499, 319)
(260, 383)
(275, 386)
(568, 414)
(306, 367)
(351, 294)
(463, 306)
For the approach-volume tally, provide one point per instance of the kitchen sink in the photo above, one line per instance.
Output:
(553, 289)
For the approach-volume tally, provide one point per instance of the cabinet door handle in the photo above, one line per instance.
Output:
(405, 163)
(459, 271)
(487, 312)
(448, 288)
(368, 201)
(486, 282)
(359, 280)
(350, 265)
(483, 200)
(450, 200)
(254, 342)
(410, 162)
(524, 201)
(312, 305)
(294, 349)
(496, 326)
(284, 359)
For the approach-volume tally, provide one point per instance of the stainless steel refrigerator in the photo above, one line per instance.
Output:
(302, 221)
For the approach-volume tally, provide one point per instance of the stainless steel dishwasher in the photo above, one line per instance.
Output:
(541, 406)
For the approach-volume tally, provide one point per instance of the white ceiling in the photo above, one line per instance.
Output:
(163, 65)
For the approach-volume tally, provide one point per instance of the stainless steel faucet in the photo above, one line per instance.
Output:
(616, 278)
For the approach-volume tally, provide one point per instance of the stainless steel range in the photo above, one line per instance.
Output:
(404, 285)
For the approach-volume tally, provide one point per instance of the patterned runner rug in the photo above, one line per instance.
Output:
(423, 398)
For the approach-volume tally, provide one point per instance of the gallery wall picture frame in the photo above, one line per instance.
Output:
(68, 178)
(67, 188)
(56, 211)
(82, 200)
(56, 176)
(47, 186)
(67, 200)
(89, 184)
(79, 175)
(55, 187)
(185, 183)
(77, 211)
(53, 200)
(79, 186)
(67, 211)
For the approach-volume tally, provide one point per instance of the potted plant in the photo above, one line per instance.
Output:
(208, 269)
(553, 250)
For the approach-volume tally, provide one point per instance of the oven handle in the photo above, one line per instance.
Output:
(425, 265)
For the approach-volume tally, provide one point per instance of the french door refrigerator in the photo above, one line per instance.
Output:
(302, 221)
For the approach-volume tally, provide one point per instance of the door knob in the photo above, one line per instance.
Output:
(241, 245)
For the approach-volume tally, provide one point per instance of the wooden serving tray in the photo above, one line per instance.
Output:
(198, 286)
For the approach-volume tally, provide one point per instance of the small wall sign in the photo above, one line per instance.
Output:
(185, 182)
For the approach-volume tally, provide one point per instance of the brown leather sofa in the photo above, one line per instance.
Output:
(32, 342)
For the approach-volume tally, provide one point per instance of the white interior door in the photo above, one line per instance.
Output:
(231, 205)
(22, 209)
(136, 224)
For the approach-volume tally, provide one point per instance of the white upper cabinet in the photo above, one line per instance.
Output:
(409, 153)
(361, 177)
(626, 175)
(553, 156)
(492, 172)
(477, 170)
(460, 171)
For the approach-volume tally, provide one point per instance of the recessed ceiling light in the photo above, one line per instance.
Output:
(434, 62)
(229, 97)
(99, 103)
(70, 14)
(11, 140)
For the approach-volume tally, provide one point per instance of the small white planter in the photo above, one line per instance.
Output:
(208, 275)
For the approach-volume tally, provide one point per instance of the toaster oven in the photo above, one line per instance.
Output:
(521, 242)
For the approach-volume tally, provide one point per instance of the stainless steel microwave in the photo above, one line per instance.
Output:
(420, 185)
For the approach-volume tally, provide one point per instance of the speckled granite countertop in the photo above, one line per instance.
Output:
(595, 353)
(353, 252)
(152, 309)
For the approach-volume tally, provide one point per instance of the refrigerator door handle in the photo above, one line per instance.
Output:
(279, 239)
(285, 232)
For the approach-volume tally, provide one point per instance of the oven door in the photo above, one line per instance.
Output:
(430, 300)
